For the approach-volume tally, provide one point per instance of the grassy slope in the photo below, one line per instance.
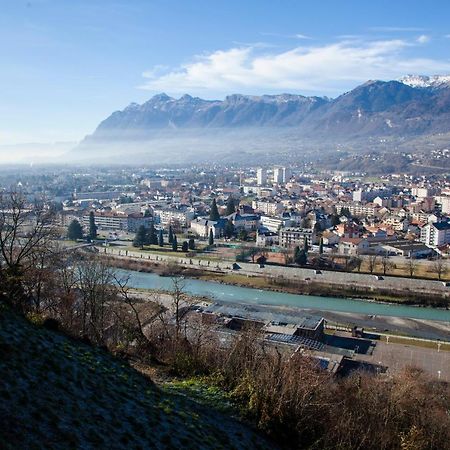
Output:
(58, 393)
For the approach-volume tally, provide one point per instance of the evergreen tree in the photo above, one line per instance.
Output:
(229, 229)
(75, 231)
(305, 244)
(214, 212)
(211, 237)
(92, 226)
(160, 238)
(335, 220)
(140, 237)
(301, 257)
(174, 243)
(185, 246)
(231, 206)
(191, 244)
(321, 246)
(170, 234)
(152, 238)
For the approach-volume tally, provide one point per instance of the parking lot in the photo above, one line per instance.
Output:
(398, 356)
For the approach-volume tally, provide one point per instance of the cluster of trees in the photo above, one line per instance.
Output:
(75, 230)
(148, 236)
(286, 395)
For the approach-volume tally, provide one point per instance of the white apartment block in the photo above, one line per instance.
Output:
(168, 216)
(261, 177)
(435, 234)
(293, 237)
(117, 221)
(268, 208)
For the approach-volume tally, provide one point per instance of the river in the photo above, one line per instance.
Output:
(243, 295)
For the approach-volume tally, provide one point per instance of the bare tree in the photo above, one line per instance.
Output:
(357, 261)
(386, 263)
(439, 266)
(26, 232)
(288, 256)
(412, 266)
(96, 285)
(372, 262)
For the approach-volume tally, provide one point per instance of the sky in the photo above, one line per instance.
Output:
(67, 64)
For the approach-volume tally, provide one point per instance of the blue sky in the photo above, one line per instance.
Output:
(67, 64)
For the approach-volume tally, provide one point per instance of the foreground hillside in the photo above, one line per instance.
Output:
(60, 393)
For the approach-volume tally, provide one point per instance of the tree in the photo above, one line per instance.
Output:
(412, 266)
(75, 231)
(185, 246)
(92, 226)
(372, 262)
(439, 266)
(346, 212)
(300, 256)
(305, 244)
(174, 243)
(151, 238)
(229, 229)
(160, 238)
(214, 212)
(321, 246)
(287, 255)
(211, 237)
(386, 263)
(140, 239)
(231, 206)
(335, 220)
(25, 236)
(191, 244)
(357, 261)
(243, 235)
(170, 234)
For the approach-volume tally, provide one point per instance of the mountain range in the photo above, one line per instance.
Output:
(411, 107)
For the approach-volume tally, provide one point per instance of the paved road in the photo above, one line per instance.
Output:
(367, 281)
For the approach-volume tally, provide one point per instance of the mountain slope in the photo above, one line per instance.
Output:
(188, 128)
(59, 393)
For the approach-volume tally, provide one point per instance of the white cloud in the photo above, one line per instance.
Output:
(423, 39)
(302, 36)
(326, 69)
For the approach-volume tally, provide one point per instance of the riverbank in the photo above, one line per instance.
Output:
(314, 287)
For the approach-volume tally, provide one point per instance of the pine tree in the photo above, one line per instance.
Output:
(170, 234)
(185, 246)
(305, 244)
(211, 237)
(214, 212)
(92, 226)
(321, 246)
(151, 238)
(301, 257)
(174, 243)
(229, 229)
(161, 238)
(75, 231)
(191, 244)
(231, 206)
(140, 237)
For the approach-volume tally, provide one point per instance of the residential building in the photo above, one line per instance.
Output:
(435, 234)
(261, 177)
(295, 236)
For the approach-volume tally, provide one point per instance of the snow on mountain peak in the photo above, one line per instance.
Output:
(424, 81)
